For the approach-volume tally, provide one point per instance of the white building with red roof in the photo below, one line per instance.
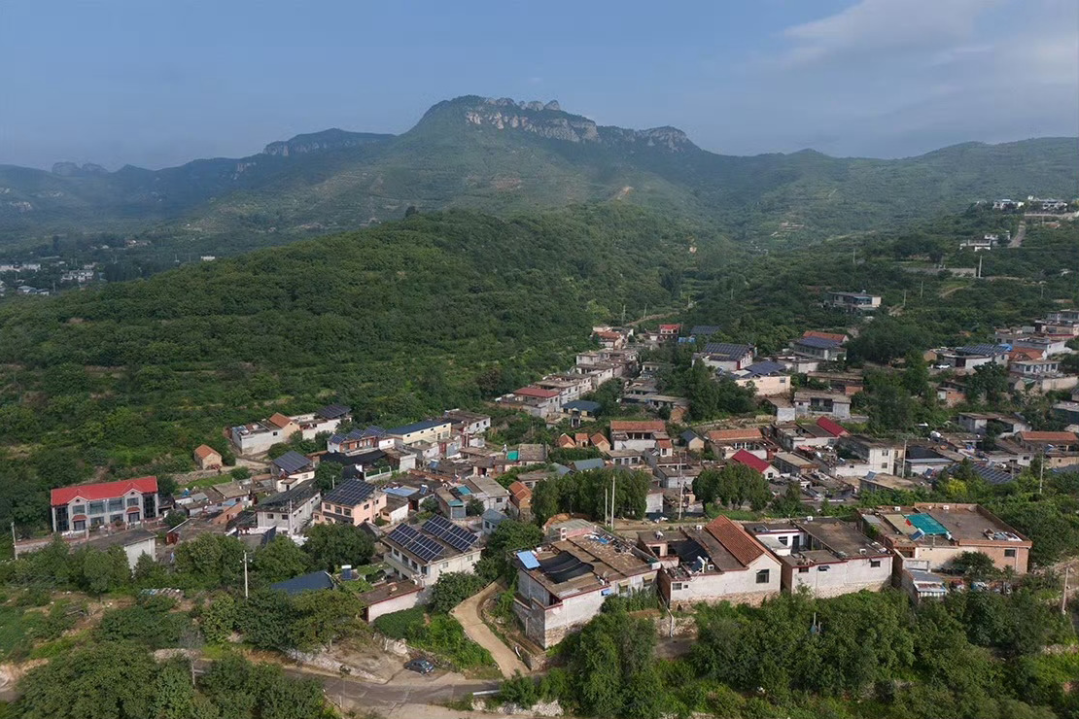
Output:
(86, 506)
(716, 562)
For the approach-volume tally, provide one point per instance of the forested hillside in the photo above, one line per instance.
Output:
(504, 157)
(409, 318)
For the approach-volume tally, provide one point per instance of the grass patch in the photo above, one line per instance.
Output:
(440, 634)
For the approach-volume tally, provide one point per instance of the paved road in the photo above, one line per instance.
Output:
(468, 614)
(1021, 233)
(404, 688)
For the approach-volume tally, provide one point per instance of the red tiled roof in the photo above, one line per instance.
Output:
(203, 451)
(1060, 437)
(665, 444)
(1025, 353)
(670, 328)
(744, 434)
(279, 420)
(825, 335)
(520, 492)
(598, 439)
(735, 540)
(621, 425)
(833, 428)
(566, 441)
(608, 335)
(750, 460)
(103, 490)
(537, 392)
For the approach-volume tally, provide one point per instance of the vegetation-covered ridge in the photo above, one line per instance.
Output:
(399, 321)
(506, 157)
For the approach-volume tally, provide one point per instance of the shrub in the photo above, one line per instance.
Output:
(398, 625)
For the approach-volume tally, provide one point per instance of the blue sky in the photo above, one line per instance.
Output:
(157, 83)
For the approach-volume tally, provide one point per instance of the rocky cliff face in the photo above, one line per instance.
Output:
(71, 169)
(550, 121)
(333, 139)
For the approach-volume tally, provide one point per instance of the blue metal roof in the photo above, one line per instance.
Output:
(305, 583)
(582, 405)
(992, 475)
(292, 461)
(704, 330)
(584, 465)
(401, 491)
(819, 342)
(763, 369)
(418, 426)
(726, 349)
(985, 350)
(528, 559)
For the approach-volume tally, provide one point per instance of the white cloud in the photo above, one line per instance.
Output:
(885, 26)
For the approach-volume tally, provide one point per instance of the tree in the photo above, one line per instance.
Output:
(732, 486)
(332, 545)
(267, 618)
(451, 589)
(324, 617)
(173, 694)
(103, 571)
(328, 475)
(217, 620)
(175, 518)
(975, 566)
(240, 473)
(211, 560)
(101, 680)
(509, 537)
(280, 559)
(474, 508)
(166, 485)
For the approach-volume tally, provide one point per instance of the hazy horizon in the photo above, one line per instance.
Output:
(872, 78)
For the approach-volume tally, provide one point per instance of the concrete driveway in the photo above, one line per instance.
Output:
(468, 614)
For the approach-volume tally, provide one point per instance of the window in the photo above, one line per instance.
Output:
(884, 465)
(116, 504)
(784, 540)
(874, 563)
(116, 518)
(803, 570)
(97, 507)
(763, 576)
(823, 568)
(80, 525)
(269, 516)
(1010, 553)
(132, 501)
(78, 509)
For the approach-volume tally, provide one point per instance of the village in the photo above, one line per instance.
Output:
(430, 493)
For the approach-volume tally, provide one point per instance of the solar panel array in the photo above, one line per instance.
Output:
(458, 538)
(410, 540)
(351, 492)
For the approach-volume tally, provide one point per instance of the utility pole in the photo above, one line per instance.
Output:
(979, 268)
(1064, 594)
(245, 575)
(1041, 472)
(612, 501)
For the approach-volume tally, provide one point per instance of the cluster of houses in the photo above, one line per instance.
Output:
(562, 584)
(443, 469)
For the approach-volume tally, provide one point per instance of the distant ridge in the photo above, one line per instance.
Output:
(505, 156)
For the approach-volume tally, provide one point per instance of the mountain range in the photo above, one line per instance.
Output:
(504, 157)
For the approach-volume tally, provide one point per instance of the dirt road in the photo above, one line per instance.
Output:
(468, 614)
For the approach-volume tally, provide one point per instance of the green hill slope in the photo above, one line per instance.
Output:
(398, 321)
(505, 157)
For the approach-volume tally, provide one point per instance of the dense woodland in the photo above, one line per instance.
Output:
(444, 310)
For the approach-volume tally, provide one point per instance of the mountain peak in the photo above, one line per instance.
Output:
(546, 120)
(332, 139)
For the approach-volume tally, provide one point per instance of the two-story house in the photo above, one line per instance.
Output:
(87, 506)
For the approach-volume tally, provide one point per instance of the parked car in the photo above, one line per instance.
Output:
(420, 666)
